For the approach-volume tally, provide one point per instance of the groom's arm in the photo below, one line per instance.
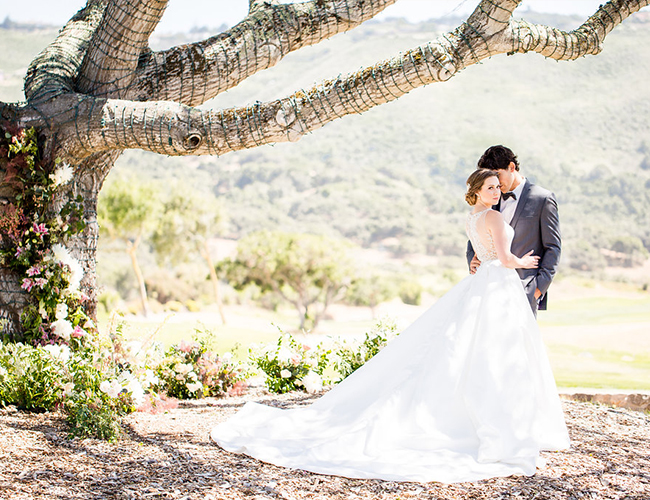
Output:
(472, 259)
(552, 243)
(469, 254)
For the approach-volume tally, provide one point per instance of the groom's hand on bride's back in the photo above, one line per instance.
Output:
(473, 265)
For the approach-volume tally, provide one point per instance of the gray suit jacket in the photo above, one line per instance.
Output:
(537, 227)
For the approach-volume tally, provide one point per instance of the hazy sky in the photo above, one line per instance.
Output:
(181, 15)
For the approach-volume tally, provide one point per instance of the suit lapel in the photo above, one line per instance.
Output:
(520, 204)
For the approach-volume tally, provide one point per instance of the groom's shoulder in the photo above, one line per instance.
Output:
(540, 192)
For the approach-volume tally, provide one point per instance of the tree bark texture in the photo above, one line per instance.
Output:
(99, 89)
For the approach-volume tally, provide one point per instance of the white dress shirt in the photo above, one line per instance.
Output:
(509, 206)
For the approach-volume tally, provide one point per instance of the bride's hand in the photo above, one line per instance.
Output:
(530, 261)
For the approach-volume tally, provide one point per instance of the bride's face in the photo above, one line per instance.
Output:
(490, 192)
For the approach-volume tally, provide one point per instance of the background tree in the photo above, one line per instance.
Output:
(308, 271)
(98, 89)
(128, 211)
(370, 290)
(189, 218)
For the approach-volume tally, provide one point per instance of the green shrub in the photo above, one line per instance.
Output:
(349, 357)
(33, 378)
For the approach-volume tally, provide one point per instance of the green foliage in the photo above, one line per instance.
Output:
(371, 290)
(308, 271)
(290, 365)
(628, 251)
(127, 207)
(46, 377)
(349, 357)
(33, 378)
(188, 218)
(96, 415)
(585, 257)
(410, 292)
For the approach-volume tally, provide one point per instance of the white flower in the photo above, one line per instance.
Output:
(76, 275)
(149, 378)
(67, 389)
(227, 357)
(62, 175)
(60, 352)
(285, 374)
(61, 311)
(284, 355)
(112, 388)
(61, 253)
(137, 392)
(135, 352)
(128, 381)
(3, 372)
(312, 382)
(335, 358)
(183, 368)
(62, 328)
(194, 386)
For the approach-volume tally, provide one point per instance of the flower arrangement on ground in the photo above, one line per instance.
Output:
(290, 365)
(190, 370)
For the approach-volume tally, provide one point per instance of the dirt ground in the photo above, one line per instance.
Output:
(169, 455)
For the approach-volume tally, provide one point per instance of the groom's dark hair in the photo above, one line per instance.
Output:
(498, 158)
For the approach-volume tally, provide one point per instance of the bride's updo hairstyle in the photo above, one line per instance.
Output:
(475, 182)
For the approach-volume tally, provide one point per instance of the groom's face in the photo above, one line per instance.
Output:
(507, 178)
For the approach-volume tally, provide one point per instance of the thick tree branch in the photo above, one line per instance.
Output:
(117, 45)
(53, 71)
(586, 40)
(191, 74)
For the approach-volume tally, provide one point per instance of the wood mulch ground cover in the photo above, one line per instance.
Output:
(170, 455)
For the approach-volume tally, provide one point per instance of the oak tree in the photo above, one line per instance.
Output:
(98, 89)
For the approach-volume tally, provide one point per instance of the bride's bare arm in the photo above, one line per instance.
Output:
(496, 226)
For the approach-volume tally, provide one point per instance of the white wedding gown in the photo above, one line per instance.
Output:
(464, 393)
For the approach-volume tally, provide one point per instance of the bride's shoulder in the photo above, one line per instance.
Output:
(493, 220)
(493, 216)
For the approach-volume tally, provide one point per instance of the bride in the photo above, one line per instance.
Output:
(464, 393)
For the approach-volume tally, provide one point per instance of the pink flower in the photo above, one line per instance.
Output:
(19, 251)
(33, 271)
(78, 332)
(40, 228)
(28, 284)
(41, 282)
(187, 346)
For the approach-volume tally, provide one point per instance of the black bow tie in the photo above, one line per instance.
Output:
(507, 195)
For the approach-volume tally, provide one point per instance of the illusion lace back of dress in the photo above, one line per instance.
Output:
(481, 239)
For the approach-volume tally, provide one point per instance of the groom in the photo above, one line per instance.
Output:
(532, 213)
